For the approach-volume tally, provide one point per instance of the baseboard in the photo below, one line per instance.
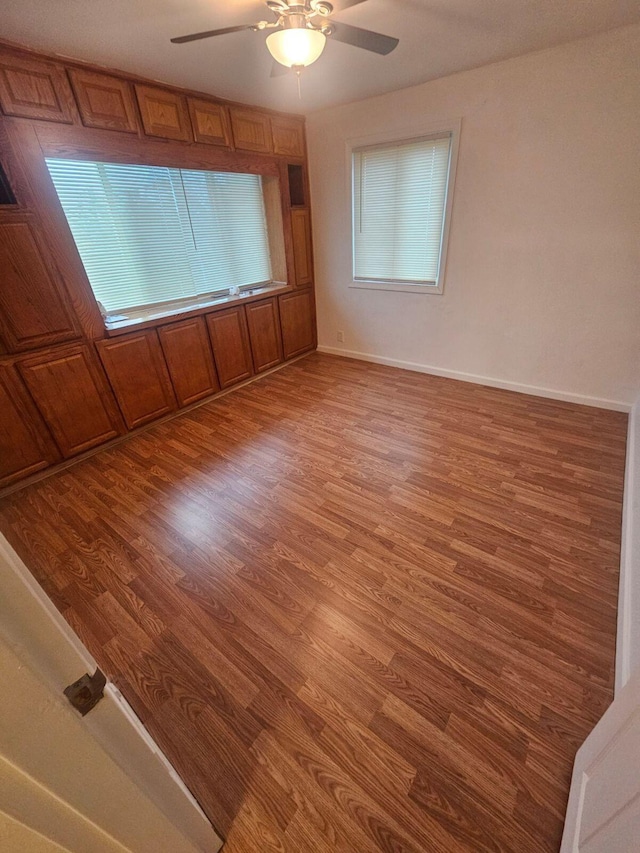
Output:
(629, 588)
(535, 390)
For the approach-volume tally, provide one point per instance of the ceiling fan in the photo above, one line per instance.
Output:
(300, 33)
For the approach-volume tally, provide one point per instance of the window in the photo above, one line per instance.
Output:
(150, 235)
(400, 213)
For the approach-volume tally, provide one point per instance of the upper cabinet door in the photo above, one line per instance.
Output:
(301, 233)
(35, 88)
(25, 444)
(164, 113)
(288, 136)
(231, 348)
(69, 389)
(251, 130)
(264, 333)
(104, 102)
(210, 122)
(188, 353)
(33, 307)
(138, 375)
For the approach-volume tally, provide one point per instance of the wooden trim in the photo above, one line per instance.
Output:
(90, 144)
(628, 633)
(219, 305)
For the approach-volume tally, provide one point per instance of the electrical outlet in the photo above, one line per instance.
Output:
(340, 337)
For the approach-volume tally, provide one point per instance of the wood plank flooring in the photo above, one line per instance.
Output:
(360, 609)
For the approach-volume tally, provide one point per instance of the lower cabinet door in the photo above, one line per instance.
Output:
(75, 402)
(264, 333)
(25, 444)
(187, 350)
(138, 375)
(297, 319)
(231, 348)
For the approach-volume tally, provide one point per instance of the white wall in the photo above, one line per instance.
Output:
(628, 644)
(542, 285)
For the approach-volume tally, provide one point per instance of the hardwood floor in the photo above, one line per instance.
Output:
(360, 609)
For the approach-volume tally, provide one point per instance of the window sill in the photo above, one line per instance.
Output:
(153, 318)
(403, 287)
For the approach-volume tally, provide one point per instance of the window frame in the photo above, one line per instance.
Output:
(72, 143)
(431, 130)
(177, 301)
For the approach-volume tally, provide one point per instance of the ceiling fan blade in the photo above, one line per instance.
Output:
(347, 4)
(366, 39)
(209, 33)
(278, 70)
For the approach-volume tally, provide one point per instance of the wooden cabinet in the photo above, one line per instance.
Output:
(33, 308)
(35, 88)
(231, 348)
(188, 353)
(164, 113)
(138, 375)
(251, 130)
(25, 443)
(210, 122)
(288, 136)
(71, 394)
(104, 101)
(302, 256)
(297, 319)
(264, 333)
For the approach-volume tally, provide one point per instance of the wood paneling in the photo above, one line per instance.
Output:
(231, 348)
(105, 102)
(39, 195)
(251, 130)
(64, 141)
(210, 122)
(138, 375)
(164, 113)
(25, 444)
(360, 609)
(298, 322)
(70, 392)
(288, 136)
(188, 353)
(264, 333)
(35, 88)
(302, 254)
(33, 309)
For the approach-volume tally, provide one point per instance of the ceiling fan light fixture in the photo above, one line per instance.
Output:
(299, 46)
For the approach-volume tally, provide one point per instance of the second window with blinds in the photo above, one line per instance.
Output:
(402, 195)
(153, 238)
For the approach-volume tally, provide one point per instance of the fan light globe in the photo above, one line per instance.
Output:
(296, 47)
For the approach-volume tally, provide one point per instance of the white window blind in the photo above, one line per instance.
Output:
(148, 234)
(399, 201)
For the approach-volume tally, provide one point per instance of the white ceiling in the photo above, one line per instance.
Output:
(437, 37)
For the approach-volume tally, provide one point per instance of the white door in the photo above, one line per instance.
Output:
(70, 783)
(603, 815)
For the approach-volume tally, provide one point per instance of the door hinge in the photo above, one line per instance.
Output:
(85, 693)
